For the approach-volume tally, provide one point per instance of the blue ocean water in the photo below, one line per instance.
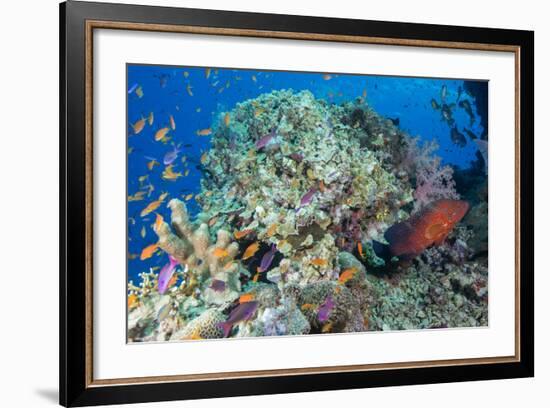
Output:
(194, 99)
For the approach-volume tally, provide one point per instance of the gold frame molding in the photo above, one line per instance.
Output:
(115, 25)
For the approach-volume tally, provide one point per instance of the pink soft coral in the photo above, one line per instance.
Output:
(433, 182)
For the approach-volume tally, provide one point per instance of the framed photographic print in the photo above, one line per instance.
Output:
(255, 204)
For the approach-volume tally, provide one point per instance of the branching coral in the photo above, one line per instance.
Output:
(205, 260)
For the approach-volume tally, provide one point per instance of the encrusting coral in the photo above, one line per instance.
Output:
(295, 191)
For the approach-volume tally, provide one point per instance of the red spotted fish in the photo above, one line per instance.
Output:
(430, 226)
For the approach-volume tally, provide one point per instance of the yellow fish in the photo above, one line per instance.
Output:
(227, 119)
(254, 78)
(326, 77)
(139, 92)
(172, 123)
(319, 262)
(151, 118)
(163, 196)
(251, 250)
(220, 253)
(204, 132)
(148, 251)
(204, 158)
(143, 232)
(168, 174)
(188, 197)
(207, 72)
(186, 173)
(161, 133)
(138, 126)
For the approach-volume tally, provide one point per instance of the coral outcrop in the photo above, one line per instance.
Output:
(295, 191)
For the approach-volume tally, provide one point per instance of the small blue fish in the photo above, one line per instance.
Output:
(132, 89)
(170, 157)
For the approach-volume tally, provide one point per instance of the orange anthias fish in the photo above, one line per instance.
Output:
(271, 230)
(220, 253)
(227, 119)
(346, 275)
(247, 297)
(172, 123)
(148, 251)
(243, 233)
(319, 262)
(428, 227)
(204, 132)
(151, 207)
(161, 133)
(360, 250)
(138, 126)
(158, 222)
(132, 301)
(251, 250)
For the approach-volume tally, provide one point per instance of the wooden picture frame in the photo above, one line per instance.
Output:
(78, 20)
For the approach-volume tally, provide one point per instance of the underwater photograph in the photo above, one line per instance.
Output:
(282, 203)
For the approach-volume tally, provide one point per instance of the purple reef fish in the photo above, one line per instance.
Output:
(166, 274)
(132, 89)
(217, 285)
(325, 309)
(171, 156)
(297, 157)
(267, 259)
(265, 140)
(241, 313)
(307, 198)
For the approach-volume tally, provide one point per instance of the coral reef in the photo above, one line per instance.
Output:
(294, 194)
